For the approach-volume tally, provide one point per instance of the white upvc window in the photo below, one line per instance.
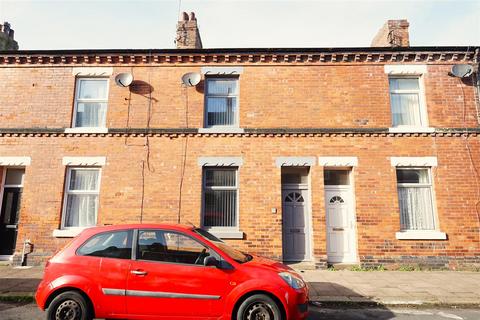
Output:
(407, 102)
(415, 199)
(221, 102)
(80, 207)
(220, 198)
(91, 98)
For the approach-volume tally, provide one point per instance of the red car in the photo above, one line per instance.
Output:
(153, 271)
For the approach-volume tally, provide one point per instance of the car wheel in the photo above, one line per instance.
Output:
(259, 307)
(69, 305)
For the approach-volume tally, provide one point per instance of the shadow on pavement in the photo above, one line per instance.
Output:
(15, 285)
(338, 302)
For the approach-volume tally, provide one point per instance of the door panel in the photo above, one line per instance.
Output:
(169, 275)
(294, 225)
(341, 246)
(165, 289)
(9, 220)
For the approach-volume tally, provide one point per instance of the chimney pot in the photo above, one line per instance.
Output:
(184, 16)
(192, 16)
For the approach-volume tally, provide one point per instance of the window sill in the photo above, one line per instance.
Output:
(86, 130)
(67, 233)
(408, 129)
(421, 235)
(221, 130)
(226, 234)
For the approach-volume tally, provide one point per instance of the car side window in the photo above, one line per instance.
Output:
(117, 244)
(170, 246)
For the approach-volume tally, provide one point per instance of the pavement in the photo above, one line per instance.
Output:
(447, 288)
(327, 288)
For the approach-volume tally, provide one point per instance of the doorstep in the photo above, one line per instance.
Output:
(300, 266)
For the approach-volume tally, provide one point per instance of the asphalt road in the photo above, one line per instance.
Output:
(9, 311)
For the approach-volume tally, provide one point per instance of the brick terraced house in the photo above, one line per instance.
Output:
(314, 155)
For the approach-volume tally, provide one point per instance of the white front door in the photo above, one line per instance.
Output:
(341, 237)
(295, 228)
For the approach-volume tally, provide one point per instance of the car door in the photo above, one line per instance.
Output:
(105, 260)
(168, 279)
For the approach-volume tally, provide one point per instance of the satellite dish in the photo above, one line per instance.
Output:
(124, 79)
(191, 79)
(461, 70)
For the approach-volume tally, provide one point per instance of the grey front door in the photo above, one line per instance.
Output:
(294, 226)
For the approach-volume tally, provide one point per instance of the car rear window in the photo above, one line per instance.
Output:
(116, 244)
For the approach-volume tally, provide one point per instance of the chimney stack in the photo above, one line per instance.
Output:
(7, 41)
(394, 33)
(188, 36)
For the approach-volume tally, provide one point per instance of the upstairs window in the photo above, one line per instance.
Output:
(221, 102)
(415, 198)
(91, 99)
(406, 102)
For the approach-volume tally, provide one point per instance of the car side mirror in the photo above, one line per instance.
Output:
(211, 261)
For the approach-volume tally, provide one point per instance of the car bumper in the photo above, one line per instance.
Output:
(297, 304)
(41, 295)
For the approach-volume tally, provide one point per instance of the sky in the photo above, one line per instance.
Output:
(88, 24)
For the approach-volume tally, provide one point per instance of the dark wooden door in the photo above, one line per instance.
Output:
(9, 219)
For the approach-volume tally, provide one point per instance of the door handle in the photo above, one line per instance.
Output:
(139, 272)
(338, 229)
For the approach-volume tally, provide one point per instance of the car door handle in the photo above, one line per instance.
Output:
(139, 272)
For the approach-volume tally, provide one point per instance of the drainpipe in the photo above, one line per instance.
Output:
(26, 243)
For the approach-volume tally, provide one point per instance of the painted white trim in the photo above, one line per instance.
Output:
(92, 71)
(67, 233)
(226, 234)
(222, 71)
(15, 161)
(220, 161)
(6, 257)
(338, 161)
(405, 69)
(413, 161)
(84, 161)
(421, 235)
(295, 161)
(221, 129)
(407, 129)
(86, 130)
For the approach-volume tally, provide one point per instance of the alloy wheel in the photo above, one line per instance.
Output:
(259, 311)
(68, 310)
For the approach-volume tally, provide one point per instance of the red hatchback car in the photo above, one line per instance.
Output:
(151, 271)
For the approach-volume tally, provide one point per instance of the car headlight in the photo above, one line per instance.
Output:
(292, 280)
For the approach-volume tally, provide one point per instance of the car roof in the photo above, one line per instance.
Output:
(178, 227)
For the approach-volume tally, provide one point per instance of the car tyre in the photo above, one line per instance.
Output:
(259, 306)
(69, 305)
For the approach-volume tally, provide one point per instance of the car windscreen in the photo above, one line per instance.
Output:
(233, 253)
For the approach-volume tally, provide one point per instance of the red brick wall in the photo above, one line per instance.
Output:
(260, 189)
(270, 97)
